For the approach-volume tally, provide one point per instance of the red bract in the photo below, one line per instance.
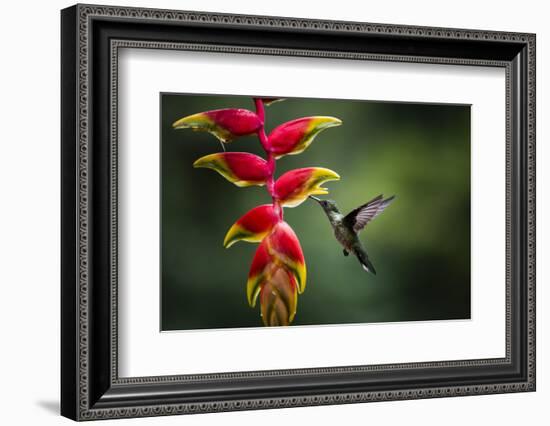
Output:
(225, 124)
(293, 187)
(285, 247)
(295, 136)
(240, 168)
(253, 226)
(258, 272)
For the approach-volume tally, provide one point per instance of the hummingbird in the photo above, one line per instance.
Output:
(346, 228)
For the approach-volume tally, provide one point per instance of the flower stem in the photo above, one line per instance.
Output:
(271, 162)
(260, 111)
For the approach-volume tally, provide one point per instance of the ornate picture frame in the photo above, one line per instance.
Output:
(91, 38)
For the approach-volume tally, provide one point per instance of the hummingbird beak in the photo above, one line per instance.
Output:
(315, 198)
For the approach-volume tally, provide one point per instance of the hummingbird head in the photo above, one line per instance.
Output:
(327, 205)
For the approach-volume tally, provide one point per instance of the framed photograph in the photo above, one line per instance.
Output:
(263, 212)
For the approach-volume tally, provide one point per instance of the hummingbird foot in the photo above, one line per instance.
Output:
(346, 253)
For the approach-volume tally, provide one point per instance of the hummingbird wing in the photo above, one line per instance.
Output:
(359, 218)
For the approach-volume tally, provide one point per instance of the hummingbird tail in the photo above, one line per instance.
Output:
(365, 262)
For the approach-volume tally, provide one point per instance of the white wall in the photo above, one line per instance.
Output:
(29, 225)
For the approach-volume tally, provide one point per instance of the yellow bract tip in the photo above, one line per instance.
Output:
(324, 122)
(323, 175)
(199, 120)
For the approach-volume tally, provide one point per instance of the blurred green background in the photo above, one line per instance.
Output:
(420, 245)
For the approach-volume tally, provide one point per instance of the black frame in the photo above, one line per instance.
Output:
(90, 386)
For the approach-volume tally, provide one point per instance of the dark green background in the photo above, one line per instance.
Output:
(420, 245)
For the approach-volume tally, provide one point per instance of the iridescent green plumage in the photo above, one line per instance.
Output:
(346, 228)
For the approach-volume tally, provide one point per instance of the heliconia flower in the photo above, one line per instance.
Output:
(278, 298)
(269, 101)
(293, 187)
(225, 124)
(293, 137)
(253, 226)
(280, 248)
(240, 168)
